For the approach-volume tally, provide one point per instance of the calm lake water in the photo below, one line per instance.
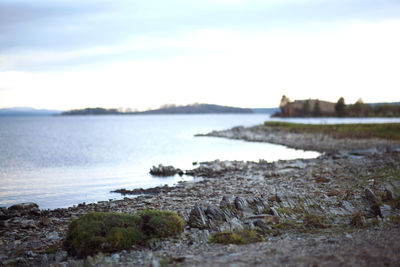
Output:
(63, 161)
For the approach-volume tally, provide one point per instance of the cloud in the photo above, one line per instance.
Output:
(66, 25)
(226, 67)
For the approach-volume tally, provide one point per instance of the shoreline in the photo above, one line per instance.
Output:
(332, 186)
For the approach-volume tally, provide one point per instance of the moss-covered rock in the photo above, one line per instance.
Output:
(109, 232)
(238, 237)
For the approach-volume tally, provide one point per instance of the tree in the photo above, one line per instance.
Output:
(317, 109)
(340, 107)
(306, 110)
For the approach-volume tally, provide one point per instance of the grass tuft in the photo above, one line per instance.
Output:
(239, 238)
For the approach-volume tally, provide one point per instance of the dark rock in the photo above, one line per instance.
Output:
(362, 152)
(25, 208)
(61, 256)
(140, 191)
(376, 210)
(4, 213)
(388, 196)
(197, 218)
(370, 196)
(164, 171)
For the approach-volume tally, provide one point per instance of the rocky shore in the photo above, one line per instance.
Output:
(341, 209)
(305, 141)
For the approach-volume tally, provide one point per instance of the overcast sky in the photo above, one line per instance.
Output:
(64, 54)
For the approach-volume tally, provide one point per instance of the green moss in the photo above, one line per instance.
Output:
(356, 131)
(108, 232)
(239, 237)
(160, 224)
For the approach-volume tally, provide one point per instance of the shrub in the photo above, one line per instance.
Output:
(109, 232)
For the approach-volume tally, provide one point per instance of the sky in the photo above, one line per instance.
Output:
(68, 54)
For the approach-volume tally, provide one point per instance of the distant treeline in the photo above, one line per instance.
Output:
(319, 108)
(360, 109)
(166, 109)
(92, 111)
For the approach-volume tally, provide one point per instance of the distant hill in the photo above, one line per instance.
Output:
(197, 109)
(171, 109)
(27, 111)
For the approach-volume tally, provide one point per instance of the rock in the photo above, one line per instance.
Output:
(241, 204)
(164, 171)
(3, 213)
(140, 191)
(362, 152)
(45, 259)
(197, 218)
(235, 224)
(376, 210)
(115, 257)
(260, 223)
(370, 196)
(274, 212)
(61, 256)
(348, 236)
(267, 218)
(386, 210)
(200, 236)
(388, 196)
(215, 213)
(227, 202)
(259, 206)
(25, 208)
(27, 224)
(53, 236)
(46, 221)
(30, 254)
(155, 263)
